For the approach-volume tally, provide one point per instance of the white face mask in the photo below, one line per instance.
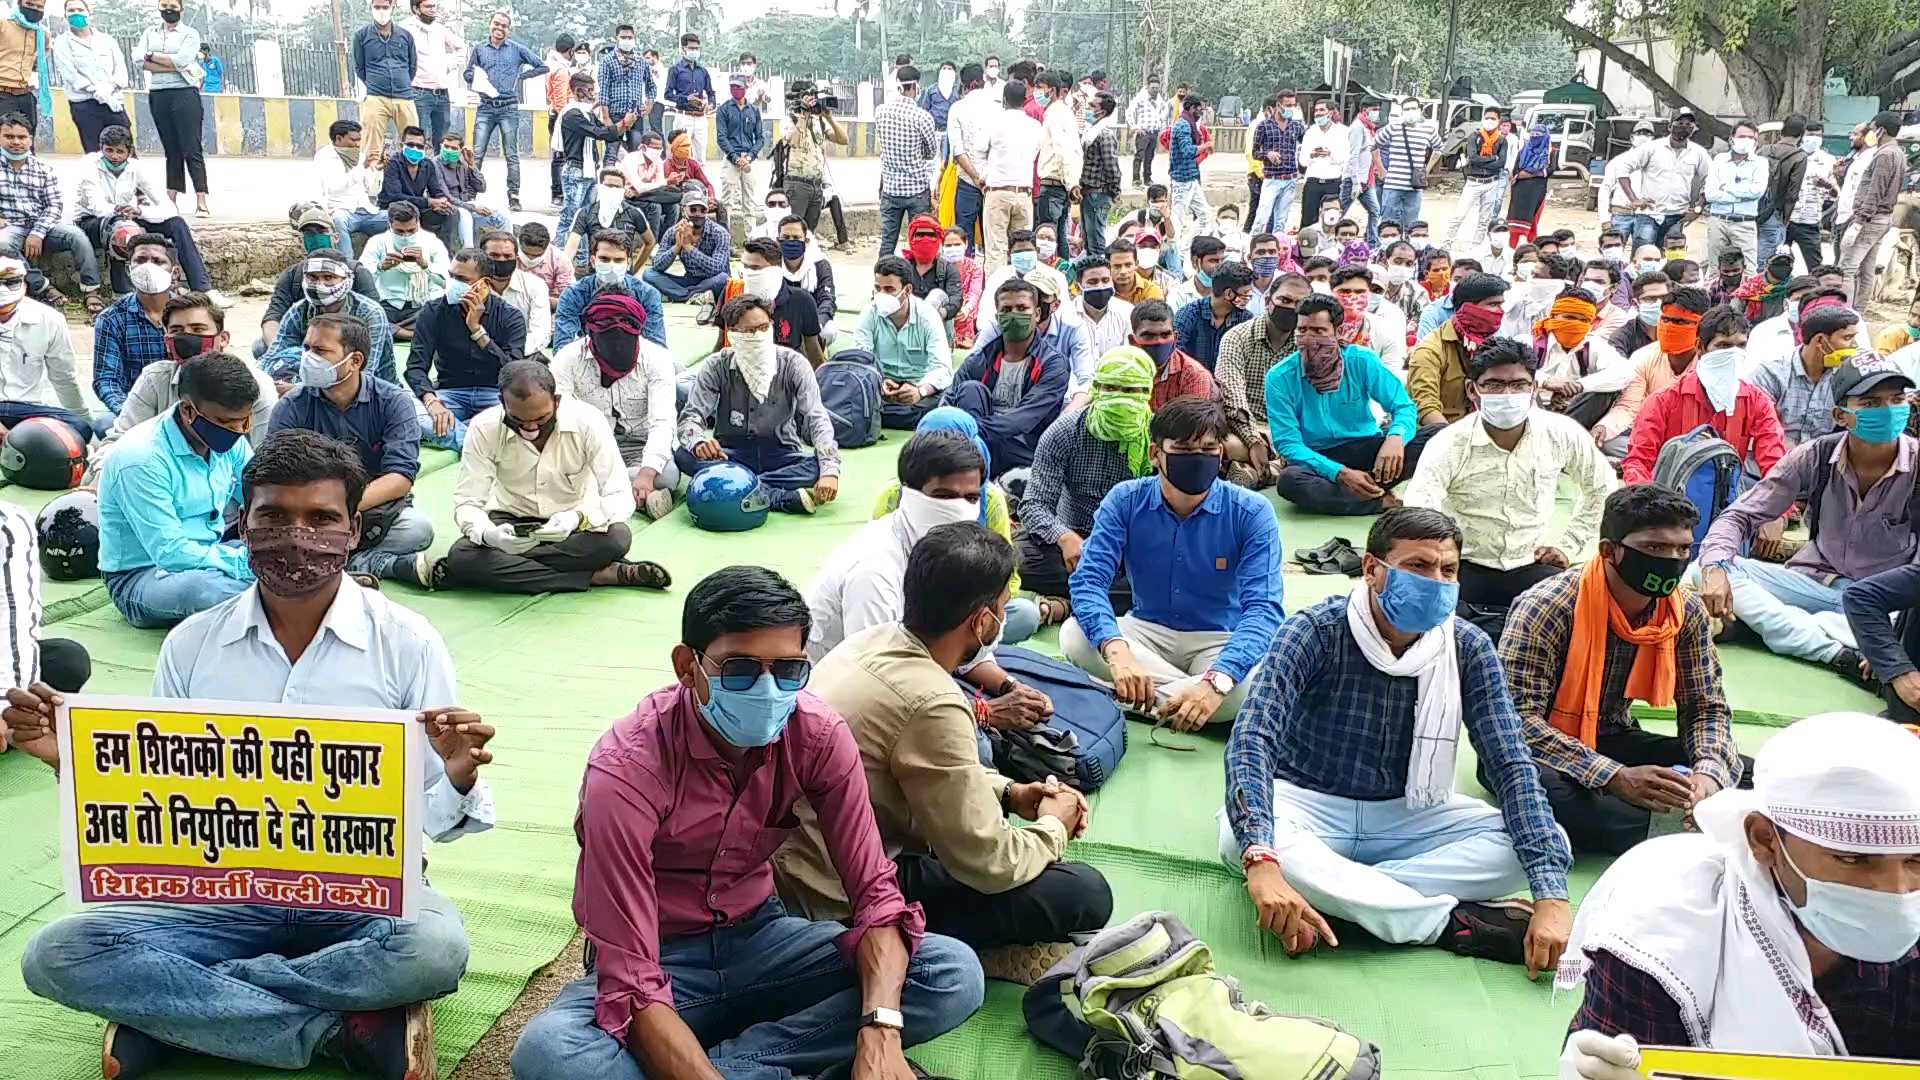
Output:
(885, 305)
(1641, 138)
(1328, 221)
(1614, 254)
(1810, 143)
(764, 282)
(382, 16)
(993, 71)
(1489, 124)
(1719, 373)
(609, 205)
(953, 252)
(1594, 289)
(1524, 271)
(747, 70)
(317, 371)
(1399, 274)
(946, 82)
(923, 513)
(752, 347)
(151, 278)
(1860, 924)
(1742, 145)
(1147, 257)
(609, 273)
(1505, 411)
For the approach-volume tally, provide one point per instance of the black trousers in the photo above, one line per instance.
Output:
(92, 118)
(567, 566)
(1145, 145)
(1806, 237)
(1483, 586)
(1312, 193)
(1589, 407)
(1596, 821)
(175, 228)
(446, 226)
(1065, 899)
(64, 665)
(177, 115)
(26, 104)
(399, 314)
(1316, 494)
(1043, 571)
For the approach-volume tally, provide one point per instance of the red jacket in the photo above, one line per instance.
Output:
(1753, 429)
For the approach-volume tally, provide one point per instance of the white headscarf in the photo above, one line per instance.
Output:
(1433, 661)
(1704, 918)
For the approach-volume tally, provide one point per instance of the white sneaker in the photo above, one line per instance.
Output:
(659, 503)
(220, 300)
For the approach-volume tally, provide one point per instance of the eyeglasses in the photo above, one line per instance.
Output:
(739, 673)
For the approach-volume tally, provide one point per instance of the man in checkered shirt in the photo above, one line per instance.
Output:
(35, 220)
(907, 141)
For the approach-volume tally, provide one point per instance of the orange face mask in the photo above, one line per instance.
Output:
(1569, 332)
(1678, 336)
(1437, 281)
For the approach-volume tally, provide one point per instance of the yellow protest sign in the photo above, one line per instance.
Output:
(1689, 1063)
(226, 802)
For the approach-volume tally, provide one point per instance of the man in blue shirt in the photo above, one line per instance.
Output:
(164, 493)
(1202, 322)
(1320, 405)
(626, 89)
(414, 177)
(1184, 145)
(690, 90)
(385, 61)
(338, 398)
(701, 246)
(1340, 771)
(611, 250)
(741, 141)
(506, 64)
(1015, 384)
(1202, 557)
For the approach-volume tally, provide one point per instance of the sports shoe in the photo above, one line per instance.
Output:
(1488, 930)
(392, 1044)
(659, 503)
(513, 203)
(1022, 964)
(128, 1054)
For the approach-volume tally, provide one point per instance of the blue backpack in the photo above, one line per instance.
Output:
(850, 392)
(1706, 469)
(1087, 729)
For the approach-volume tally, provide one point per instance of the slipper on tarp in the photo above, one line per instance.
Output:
(1336, 556)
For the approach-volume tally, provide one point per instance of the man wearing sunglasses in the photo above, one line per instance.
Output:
(1006, 892)
(683, 802)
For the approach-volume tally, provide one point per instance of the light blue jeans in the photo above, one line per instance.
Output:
(1023, 621)
(1794, 614)
(153, 599)
(348, 224)
(769, 996)
(411, 533)
(1276, 201)
(465, 403)
(1400, 206)
(252, 983)
(1396, 871)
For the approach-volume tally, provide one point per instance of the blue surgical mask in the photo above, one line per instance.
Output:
(77, 21)
(751, 717)
(1023, 261)
(1880, 424)
(1650, 313)
(1416, 604)
(12, 155)
(218, 439)
(1204, 279)
(1648, 266)
(414, 154)
(456, 291)
(1042, 96)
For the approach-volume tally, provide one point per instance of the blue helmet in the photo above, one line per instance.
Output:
(727, 498)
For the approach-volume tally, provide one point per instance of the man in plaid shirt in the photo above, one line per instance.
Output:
(1099, 172)
(32, 219)
(626, 86)
(1276, 145)
(907, 141)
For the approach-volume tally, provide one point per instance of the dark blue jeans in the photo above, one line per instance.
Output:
(968, 204)
(769, 997)
(1094, 207)
(12, 412)
(432, 108)
(504, 119)
(893, 210)
(1053, 207)
(783, 471)
(681, 287)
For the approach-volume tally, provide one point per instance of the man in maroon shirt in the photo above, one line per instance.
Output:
(1789, 927)
(694, 969)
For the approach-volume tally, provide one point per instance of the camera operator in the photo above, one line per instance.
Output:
(806, 166)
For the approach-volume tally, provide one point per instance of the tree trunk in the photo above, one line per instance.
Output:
(1641, 70)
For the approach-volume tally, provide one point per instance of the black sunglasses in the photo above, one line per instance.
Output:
(739, 673)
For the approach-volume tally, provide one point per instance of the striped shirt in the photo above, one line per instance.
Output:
(20, 579)
(1402, 146)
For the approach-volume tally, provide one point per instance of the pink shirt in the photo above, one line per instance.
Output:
(553, 268)
(673, 844)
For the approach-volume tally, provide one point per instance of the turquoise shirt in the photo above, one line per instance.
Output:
(162, 505)
(1303, 419)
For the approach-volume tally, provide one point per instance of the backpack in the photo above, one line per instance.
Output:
(1706, 469)
(850, 392)
(1083, 742)
(1142, 1001)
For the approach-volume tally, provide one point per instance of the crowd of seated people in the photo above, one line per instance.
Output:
(1119, 450)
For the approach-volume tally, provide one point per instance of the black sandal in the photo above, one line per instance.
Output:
(642, 573)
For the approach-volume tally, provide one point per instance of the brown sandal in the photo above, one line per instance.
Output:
(642, 573)
(1054, 610)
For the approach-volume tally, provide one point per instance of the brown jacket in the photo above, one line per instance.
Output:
(1437, 373)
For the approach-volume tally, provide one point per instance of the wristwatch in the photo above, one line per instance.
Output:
(883, 1017)
(1221, 682)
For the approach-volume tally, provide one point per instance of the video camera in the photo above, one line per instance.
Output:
(825, 101)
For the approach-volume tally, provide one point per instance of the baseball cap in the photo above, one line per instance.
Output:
(1049, 281)
(1863, 372)
(1644, 125)
(305, 214)
(1687, 114)
(697, 198)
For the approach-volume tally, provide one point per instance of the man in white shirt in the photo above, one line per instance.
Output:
(1735, 182)
(612, 367)
(1103, 319)
(1489, 155)
(968, 123)
(93, 69)
(409, 264)
(1580, 373)
(1061, 158)
(438, 50)
(1803, 221)
(348, 186)
(36, 359)
(1324, 151)
(114, 188)
(543, 497)
(1012, 148)
(354, 648)
(1495, 472)
(521, 290)
(1147, 116)
(1663, 180)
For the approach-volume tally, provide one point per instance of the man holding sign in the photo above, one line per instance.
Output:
(264, 984)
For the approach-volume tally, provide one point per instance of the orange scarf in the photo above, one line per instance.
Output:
(1576, 706)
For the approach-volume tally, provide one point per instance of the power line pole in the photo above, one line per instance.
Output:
(1446, 70)
(340, 51)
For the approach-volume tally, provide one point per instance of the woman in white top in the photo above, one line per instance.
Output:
(93, 71)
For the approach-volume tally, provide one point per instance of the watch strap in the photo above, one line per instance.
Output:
(883, 1017)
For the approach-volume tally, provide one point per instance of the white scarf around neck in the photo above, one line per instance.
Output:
(1434, 662)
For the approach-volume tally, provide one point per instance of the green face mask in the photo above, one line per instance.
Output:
(316, 240)
(1015, 325)
(451, 157)
(1122, 419)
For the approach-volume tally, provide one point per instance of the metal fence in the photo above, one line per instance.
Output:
(312, 72)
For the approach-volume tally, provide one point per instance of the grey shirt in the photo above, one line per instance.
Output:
(1859, 535)
(1012, 384)
(718, 401)
(1805, 406)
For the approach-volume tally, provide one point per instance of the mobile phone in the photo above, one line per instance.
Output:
(525, 528)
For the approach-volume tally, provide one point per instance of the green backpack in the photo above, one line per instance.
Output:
(1142, 1001)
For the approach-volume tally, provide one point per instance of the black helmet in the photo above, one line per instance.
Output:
(43, 453)
(69, 529)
